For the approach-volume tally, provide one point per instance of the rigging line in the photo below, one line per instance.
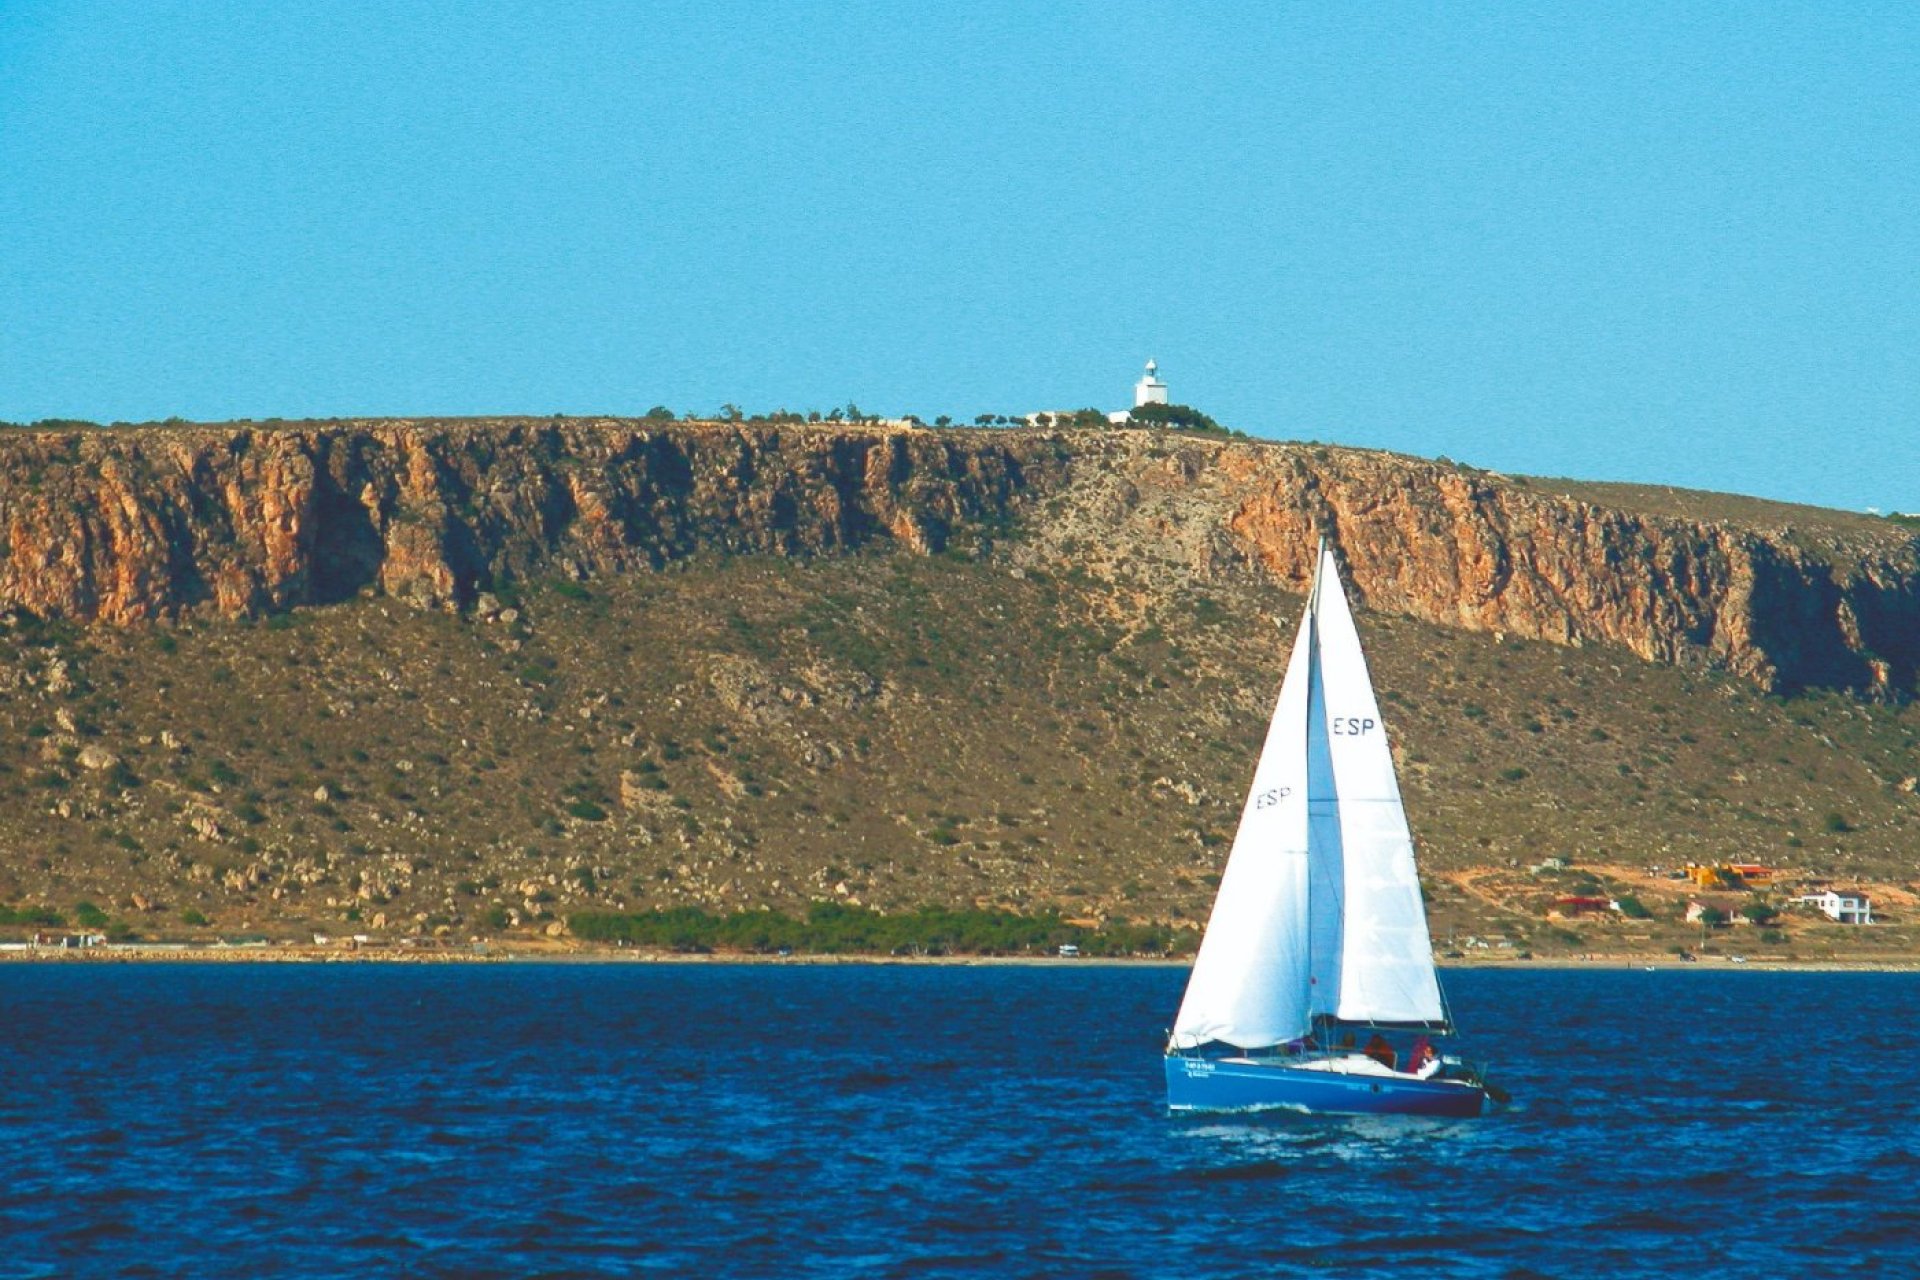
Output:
(1312, 622)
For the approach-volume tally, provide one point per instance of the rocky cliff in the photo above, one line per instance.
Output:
(135, 525)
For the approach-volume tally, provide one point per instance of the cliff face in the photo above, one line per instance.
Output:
(1463, 550)
(1790, 607)
(128, 526)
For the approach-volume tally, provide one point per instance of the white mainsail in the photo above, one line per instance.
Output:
(1319, 911)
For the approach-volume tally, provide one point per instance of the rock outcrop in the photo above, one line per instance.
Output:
(1790, 607)
(136, 525)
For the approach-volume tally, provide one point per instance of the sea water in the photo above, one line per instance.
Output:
(853, 1120)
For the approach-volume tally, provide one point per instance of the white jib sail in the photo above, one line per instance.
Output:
(1385, 955)
(1249, 985)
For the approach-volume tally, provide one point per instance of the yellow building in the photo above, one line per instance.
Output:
(1730, 875)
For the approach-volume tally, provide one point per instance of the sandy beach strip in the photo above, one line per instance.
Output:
(304, 954)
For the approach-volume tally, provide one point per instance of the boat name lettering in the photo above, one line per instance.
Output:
(1271, 798)
(1353, 726)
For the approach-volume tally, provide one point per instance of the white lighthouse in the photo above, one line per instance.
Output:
(1150, 390)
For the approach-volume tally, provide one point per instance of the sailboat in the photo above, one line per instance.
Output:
(1314, 988)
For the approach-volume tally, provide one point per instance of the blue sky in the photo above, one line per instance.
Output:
(1672, 243)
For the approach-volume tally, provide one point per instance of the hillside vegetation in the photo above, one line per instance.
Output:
(880, 729)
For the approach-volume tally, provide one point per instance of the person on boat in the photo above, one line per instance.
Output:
(1381, 1052)
(1420, 1056)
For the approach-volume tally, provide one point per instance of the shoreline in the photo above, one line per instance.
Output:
(146, 954)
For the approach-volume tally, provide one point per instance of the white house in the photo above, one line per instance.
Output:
(1697, 910)
(1848, 906)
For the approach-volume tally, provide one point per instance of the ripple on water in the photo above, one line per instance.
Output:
(852, 1121)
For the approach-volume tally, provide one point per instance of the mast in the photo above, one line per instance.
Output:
(1326, 853)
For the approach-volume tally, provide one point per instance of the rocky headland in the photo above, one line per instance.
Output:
(141, 525)
(466, 678)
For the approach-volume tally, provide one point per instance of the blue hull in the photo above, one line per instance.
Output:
(1201, 1084)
